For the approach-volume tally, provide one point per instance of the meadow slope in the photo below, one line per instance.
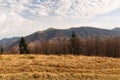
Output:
(54, 67)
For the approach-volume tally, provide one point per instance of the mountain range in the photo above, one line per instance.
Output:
(8, 41)
(52, 33)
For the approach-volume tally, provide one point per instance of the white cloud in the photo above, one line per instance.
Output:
(64, 8)
(71, 8)
(111, 6)
(17, 16)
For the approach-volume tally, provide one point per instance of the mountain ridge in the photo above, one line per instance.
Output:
(82, 32)
(8, 41)
(117, 29)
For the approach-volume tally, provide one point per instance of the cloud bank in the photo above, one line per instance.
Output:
(64, 8)
(15, 15)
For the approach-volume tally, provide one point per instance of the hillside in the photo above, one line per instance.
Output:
(63, 67)
(8, 41)
(82, 32)
(117, 29)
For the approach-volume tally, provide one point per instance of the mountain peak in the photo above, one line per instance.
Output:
(116, 29)
(50, 29)
(82, 32)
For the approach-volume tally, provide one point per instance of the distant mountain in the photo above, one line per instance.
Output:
(82, 32)
(8, 41)
(117, 29)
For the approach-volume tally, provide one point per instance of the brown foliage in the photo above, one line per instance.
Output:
(91, 47)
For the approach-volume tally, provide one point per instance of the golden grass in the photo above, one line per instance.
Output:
(63, 67)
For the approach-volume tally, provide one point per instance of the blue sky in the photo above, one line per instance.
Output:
(23, 17)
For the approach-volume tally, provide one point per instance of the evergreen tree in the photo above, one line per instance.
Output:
(1, 50)
(23, 47)
(73, 35)
(74, 44)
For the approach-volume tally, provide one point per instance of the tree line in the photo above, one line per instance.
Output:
(109, 47)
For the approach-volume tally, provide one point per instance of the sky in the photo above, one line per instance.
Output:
(23, 17)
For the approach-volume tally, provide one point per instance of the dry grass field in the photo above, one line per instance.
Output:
(63, 67)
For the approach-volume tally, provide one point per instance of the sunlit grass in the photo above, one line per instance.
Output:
(62, 67)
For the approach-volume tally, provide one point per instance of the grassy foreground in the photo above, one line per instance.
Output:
(53, 67)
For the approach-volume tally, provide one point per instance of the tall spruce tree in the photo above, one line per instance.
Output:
(74, 44)
(1, 50)
(73, 35)
(23, 47)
